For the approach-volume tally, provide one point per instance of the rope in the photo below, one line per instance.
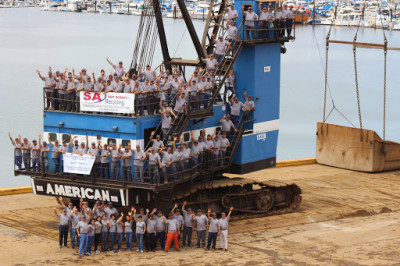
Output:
(356, 80)
(384, 92)
(179, 43)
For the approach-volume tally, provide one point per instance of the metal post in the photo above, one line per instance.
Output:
(191, 29)
(161, 34)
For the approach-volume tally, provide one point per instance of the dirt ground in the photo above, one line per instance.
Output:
(346, 217)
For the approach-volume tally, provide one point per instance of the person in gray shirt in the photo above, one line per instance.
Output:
(105, 161)
(55, 154)
(249, 18)
(119, 70)
(236, 106)
(105, 224)
(138, 163)
(173, 231)
(120, 231)
(75, 218)
(44, 153)
(166, 120)
(49, 84)
(220, 46)
(63, 228)
(227, 125)
(248, 106)
(229, 85)
(112, 231)
(97, 234)
(160, 225)
(232, 12)
(151, 233)
(93, 150)
(157, 143)
(224, 146)
(17, 151)
(126, 159)
(110, 210)
(232, 31)
(263, 25)
(154, 165)
(26, 154)
(140, 231)
(180, 104)
(213, 229)
(83, 229)
(115, 158)
(178, 216)
(148, 74)
(128, 231)
(188, 217)
(223, 229)
(166, 163)
(200, 225)
(211, 62)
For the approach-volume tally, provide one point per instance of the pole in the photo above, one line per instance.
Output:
(191, 29)
(161, 34)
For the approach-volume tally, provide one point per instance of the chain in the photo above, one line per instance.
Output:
(326, 76)
(358, 93)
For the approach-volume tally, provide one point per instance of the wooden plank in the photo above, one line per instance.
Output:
(184, 62)
(365, 45)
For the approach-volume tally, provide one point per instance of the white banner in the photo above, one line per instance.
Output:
(122, 103)
(78, 164)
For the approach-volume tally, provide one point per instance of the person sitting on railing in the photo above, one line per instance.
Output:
(35, 151)
(221, 46)
(211, 62)
(138, 163)
(166, 120)
(126, 159)
(94, 150)
(289, 19)
(157, 143)
(61, 87)
(279, 18)
(105, 161)
(55, 154)
(177, 158)
(232, 31)
(248, 106)
(195, 153)
(154, 164)
(193, 92)
(26, 154)
(229, 85)
(232, 12)
(115, 163)
(180, 105)
(49, 84)
(249, 18)
(17, 151)
(236, 105)
(186, 154)
(166, 162)
(227, 126)
(120, 70)
(216, 148)
(148, 73)
(44, 150)
(224, 146)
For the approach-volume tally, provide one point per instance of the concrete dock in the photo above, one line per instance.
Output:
(346, 217)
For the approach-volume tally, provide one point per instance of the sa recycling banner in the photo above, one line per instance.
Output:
(122, 103)
(78, 164)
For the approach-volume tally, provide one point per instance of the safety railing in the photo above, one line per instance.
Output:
(268, 31)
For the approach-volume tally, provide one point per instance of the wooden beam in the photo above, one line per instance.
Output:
(365, 45)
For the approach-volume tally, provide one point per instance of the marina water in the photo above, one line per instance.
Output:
(31, 39)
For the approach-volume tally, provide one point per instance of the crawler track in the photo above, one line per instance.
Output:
(245, 195)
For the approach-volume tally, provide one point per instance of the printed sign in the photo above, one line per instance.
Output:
(78, 164)
(122, 103)
(90, 193)
(267, 69)
(262, 136)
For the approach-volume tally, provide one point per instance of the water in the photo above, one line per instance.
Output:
(31, 39)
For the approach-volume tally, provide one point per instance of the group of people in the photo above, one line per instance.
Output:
(102, 228)
(168, 162)
(273, 21)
